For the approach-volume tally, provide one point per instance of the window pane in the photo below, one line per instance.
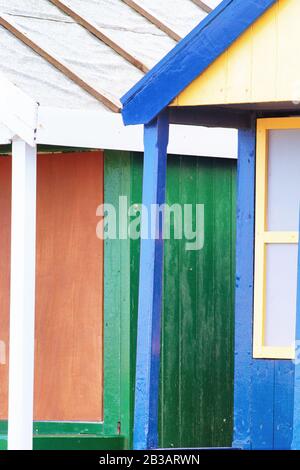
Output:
(283, 180)
(281, 289)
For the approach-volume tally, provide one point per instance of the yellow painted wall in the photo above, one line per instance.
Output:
(263, 65)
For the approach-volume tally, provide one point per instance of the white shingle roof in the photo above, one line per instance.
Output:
(92, 67)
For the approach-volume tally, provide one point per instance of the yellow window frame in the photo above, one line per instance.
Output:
(263, 237)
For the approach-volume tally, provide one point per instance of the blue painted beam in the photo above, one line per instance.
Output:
(190, 58)
(145, 434)
(244, 288)
(296, 423)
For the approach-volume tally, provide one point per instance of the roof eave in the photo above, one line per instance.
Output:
(190, 58)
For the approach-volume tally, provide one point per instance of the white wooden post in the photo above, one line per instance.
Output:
(22, 297)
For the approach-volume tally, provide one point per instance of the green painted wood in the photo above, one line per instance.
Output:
(196, 403)
(117, 340)
(74, 442)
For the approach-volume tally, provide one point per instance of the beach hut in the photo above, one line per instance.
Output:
(68, 299)
(238, 68)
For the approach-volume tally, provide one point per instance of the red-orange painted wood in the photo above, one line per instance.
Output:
(5, 210)
(69, 288)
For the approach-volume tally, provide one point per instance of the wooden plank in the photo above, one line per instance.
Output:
(69, 290)
(69, 282)
(223, 236)
(104, 97)
(170, 393)
(5, 217)
(190, 58)
(283, 404)
(112, 298)
(18, 111)
(150, 17)
(188, 321)
(150, 289)
(259, 66)
(262, 404)
(100, 34)
(22, 297)
(202, 5)
(244, 288)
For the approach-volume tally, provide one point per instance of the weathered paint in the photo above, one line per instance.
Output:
(263, 403)
(190, 58)
(196, 399)
(261, 66)
(145, 431)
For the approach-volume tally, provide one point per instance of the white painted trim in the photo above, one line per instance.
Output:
(18, 111)
(6, 135)
(21, 116)
(105, 130)
(22, 297)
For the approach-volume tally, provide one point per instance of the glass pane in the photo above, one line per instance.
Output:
(284, 180)
(281, 289)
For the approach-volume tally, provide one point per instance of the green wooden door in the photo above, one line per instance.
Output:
(196, 401)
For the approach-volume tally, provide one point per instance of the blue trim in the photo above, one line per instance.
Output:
(190, 58)
(296, 426)
(262, 404)
(244, 288)
(150, 289)
(263, 393)
(283, 404)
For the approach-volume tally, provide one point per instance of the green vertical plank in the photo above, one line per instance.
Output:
(117, 305)
(223, 304)
(135, 199)
(205, 311)
(170, 391)
(189, 384)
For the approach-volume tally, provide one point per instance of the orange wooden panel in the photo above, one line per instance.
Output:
(69, 288)
(5, 210)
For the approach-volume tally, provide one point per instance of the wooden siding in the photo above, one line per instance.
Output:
(69, 291)
(201, 409)
(196, 399)
(260, 66)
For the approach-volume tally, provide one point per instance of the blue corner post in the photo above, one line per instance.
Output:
(244, 287)
(296, 423)
(145, 434)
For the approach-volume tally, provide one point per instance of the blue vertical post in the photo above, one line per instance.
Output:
(145, 435)
(296, 423)
(244, 287)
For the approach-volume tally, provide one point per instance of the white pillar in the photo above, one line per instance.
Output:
(22, 297)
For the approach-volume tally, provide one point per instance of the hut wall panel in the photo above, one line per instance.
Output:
(197, 335)
(69, 287)
(196, 399)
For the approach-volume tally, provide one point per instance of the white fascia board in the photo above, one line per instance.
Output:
(203, 141)
(105, 130)
(6, 135)
(18, 111)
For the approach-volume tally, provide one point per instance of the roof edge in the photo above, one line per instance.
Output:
(202, 46)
